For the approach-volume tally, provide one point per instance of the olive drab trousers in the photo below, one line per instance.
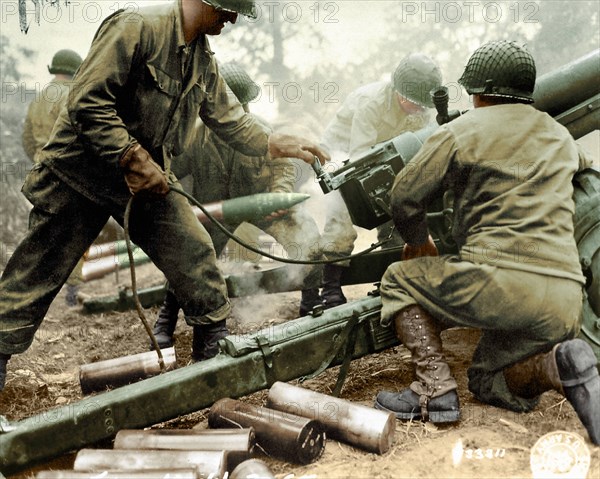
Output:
(64, 223)
(520, 313)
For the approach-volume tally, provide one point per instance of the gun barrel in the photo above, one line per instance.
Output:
(568, 86)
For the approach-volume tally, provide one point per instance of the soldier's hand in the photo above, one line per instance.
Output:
(416, 251)
(142, 173)
(293, 146)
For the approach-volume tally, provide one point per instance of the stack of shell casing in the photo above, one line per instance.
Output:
(166, 453)
(292, 427)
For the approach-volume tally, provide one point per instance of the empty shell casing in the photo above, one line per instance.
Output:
(252, 469)
(355, 424)
(280, 434)
(238, 443)
(206, 463)
(117, 372)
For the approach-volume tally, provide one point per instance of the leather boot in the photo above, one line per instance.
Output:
(332, 286)
(432, 397)
(167, 320)
(570, 368)
(310, 298)
(3, 362)
(205, 340)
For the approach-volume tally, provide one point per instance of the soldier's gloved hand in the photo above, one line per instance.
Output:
(416, 251)
(142, 174)
(293, 146)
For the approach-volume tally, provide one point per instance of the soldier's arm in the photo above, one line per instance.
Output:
(224, 115)
(104, 73)
(585, 159)
(418, 182)
(282, 173)
(363, 133)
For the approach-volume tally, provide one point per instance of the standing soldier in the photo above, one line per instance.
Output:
(220, 172)
(41, 115)
(525, 296)
(148, 76)
(371, 114)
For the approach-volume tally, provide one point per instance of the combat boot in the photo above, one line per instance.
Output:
(332, 293)
(3, 362)
(167, 321)
(432, 397)
(570, 369)
(206, 338)
(310, 298)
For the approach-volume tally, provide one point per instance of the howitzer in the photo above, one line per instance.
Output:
(570, 94)
(281, 353)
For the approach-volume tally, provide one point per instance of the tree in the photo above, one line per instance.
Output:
(14, 207)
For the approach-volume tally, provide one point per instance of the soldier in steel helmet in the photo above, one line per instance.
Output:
(148, 77)
(371, 114)
(516, 276)
(43, 111)
(220, 172)
(41, 115)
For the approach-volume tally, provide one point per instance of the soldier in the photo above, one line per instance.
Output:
(517, 275)
(220, 172)
(148, 77)
(41, 115)
(371, 114)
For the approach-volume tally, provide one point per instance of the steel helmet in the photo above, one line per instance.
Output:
(240, 82)
(243, 7)
(65, 61)
(501, 69)
(415, 76)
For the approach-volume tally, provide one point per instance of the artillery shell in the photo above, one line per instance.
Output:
(149, 474)
(252, 469)
(206, 463)
(238, 443)
(120, 371)
(355, 424)
(284, 435)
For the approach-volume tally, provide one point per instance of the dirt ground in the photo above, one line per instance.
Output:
(487, 443)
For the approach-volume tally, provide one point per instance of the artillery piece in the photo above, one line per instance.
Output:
(309, 345)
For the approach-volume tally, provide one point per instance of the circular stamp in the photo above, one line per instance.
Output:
(560, 454)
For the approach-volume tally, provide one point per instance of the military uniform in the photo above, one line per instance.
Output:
(41, 115)
(517, 275)
(140, 84)
(370, 115)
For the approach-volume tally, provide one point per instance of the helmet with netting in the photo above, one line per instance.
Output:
(501, 69)
(414, 78)
(239, 81)
(65, 62)
(243, 7)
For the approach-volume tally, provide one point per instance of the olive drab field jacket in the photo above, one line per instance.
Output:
(41, 115)
(141, 83)
(510, 168)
